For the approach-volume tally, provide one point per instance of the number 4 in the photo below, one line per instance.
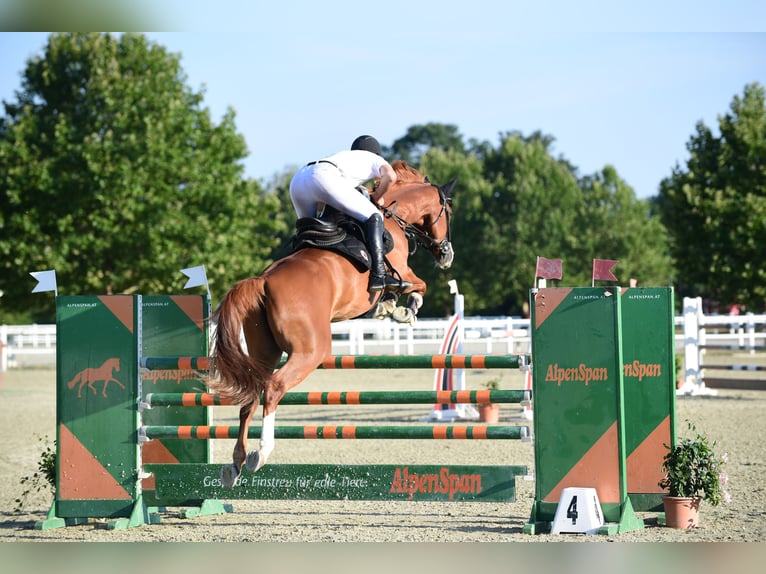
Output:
(572, 510)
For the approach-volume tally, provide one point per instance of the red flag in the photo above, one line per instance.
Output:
(548, 268)
(602, 270)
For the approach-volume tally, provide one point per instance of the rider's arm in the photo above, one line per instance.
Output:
(387, 177)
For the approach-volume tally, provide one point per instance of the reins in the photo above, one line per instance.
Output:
(411, 231)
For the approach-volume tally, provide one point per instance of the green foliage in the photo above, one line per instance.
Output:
(714, 209)
(422, 138)
(45, 476)
(492, 384)
(515, 202)
(113, 174)
(693, 470)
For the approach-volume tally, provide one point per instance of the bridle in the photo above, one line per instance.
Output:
(412, 231)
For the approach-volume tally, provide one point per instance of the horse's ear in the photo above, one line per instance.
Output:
(446, 189)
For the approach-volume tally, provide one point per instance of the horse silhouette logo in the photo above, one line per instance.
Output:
(90, 376)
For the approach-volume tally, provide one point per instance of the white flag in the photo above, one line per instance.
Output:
(196, 275)
(46, 281)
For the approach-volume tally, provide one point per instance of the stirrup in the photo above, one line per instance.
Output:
(387, 283)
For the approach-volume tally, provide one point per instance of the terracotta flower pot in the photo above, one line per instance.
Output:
(681, 512)
(489, 413)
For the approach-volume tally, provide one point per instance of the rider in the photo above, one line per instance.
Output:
(333, 181)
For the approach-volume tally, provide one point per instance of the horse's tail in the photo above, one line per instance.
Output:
(239, 377)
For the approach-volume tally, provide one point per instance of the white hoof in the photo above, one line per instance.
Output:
(229, 474)
(403, 315)
(384, 309)
(254, 461)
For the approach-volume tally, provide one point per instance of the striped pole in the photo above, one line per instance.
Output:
(430, 432)
(349, 398)
(365, 362)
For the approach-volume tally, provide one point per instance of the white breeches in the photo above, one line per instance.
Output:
(323, 183)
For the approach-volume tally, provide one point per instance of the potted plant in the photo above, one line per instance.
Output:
(490, 412)
(693, 473)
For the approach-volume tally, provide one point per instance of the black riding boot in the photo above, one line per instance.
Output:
(379, 280)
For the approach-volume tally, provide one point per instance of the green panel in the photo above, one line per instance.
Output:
(175, 325)
(337, 482)
(648, 335)
(96, 406)
(576, 390)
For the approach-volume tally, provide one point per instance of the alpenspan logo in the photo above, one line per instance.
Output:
(90, 376)
(580, 373)
(586, 374)
(445, 482)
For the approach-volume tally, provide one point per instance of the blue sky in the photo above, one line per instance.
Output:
(612, 85)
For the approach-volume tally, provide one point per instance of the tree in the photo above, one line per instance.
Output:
(715, 208)
(423, 137)
(113, 174)
(615, 225)
(515, 202)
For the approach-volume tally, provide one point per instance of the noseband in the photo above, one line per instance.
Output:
(411, 231)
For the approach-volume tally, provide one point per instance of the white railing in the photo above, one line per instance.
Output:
(700, 333)
(27, 345)
(502, 335)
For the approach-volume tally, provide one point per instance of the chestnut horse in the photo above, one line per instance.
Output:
(290, 306)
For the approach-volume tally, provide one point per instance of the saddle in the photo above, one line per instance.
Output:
(336, 231)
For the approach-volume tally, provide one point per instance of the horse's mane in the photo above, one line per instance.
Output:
(406, 173)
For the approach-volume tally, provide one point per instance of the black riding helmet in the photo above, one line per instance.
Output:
(367, 143)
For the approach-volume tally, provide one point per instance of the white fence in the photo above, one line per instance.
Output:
(27, 346)
(696, 335)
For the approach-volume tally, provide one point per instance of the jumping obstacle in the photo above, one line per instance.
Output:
(604, 408)
(604, 390)
(127, 462)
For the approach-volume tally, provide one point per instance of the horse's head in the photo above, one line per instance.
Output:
(423, 210)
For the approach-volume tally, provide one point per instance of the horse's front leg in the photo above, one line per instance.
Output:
(230, 473)
(386, 306)
(409, 313)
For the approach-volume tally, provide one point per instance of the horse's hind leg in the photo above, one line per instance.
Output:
(292, 373)
(230, 473)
